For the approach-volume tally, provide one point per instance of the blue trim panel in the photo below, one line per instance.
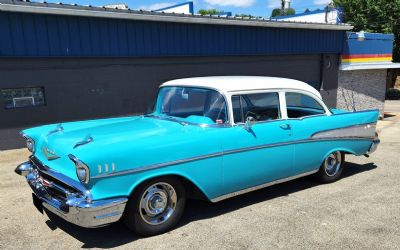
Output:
(372, 36)
(37, 35)
(374, 43)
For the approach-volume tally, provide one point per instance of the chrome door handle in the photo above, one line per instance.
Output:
(285, 126)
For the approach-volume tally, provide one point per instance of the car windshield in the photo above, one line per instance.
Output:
(196, 105)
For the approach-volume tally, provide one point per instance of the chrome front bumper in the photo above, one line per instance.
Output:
(68, 203)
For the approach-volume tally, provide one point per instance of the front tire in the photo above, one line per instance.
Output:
(156, 206)
(331, 168)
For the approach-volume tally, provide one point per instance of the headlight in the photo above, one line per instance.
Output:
(30, 144)
(82, 170)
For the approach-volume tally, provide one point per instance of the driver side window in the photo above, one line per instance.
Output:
(260, 106)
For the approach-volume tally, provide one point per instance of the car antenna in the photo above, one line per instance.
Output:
(353, 101)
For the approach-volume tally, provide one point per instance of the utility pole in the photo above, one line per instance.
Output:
(283, 7)
(285, 4)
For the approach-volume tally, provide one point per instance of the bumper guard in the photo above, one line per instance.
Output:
(76, 207)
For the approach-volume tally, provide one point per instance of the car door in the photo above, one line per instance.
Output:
(261, 153)
(307, 116)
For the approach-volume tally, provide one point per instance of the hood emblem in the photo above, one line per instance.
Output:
(87, 140)
(59, 128)
(50, 155)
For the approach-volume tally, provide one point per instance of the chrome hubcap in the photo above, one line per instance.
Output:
(158, 203)
(332, 163)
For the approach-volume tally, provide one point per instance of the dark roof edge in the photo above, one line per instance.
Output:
(71, 10)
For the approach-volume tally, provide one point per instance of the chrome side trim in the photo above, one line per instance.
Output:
(352, 112)
(268, 184)
(158, 165)
(362, 130)
(226, 152)
(281, 119)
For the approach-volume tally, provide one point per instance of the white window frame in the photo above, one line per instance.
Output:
(250, 92)
(282, 103)
(318, 100)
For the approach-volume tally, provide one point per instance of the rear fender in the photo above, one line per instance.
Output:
(360, 117)
(343, 150)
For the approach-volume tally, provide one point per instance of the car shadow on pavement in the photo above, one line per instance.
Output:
(118, 234)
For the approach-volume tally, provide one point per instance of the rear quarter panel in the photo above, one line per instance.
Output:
(310, 154)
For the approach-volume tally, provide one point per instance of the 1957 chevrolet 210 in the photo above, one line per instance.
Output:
(210, 137)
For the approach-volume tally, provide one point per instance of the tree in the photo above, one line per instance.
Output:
(286, 12)
(209, 12)
(289, 12)
(381, 16)
(276, 12)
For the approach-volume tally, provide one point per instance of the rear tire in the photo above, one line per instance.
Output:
(331, 168)
(156, 206)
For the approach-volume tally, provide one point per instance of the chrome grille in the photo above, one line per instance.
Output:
(53, 186)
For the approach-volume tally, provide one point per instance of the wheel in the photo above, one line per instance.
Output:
(155, 207)
(331, 168)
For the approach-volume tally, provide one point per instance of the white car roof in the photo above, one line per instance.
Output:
(243, 83)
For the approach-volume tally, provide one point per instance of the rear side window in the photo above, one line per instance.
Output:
(300, 105)
(261, 107)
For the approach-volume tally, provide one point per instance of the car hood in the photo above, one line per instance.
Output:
(87, 140)
(104, 133)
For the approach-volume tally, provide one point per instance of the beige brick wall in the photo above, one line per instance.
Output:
(362, 89)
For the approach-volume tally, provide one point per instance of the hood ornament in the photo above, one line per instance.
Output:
(59, 128)
(50, 154)
(88, 139)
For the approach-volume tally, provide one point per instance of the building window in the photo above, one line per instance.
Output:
(23, 97)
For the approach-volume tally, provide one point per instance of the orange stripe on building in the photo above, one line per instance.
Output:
(366, 58)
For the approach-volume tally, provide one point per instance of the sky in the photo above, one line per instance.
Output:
(254, 7)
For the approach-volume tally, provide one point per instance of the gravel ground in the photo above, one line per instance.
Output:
(362, 210)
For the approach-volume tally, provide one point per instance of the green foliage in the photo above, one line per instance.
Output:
(276, 12)
(393, 94)
(287, 12)
(381, 16)
(209, 12)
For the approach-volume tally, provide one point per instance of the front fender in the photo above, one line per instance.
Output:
(205, 174)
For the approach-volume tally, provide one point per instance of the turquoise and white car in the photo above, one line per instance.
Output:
(210, 138)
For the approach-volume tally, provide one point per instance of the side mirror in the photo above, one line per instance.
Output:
(249, 122)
